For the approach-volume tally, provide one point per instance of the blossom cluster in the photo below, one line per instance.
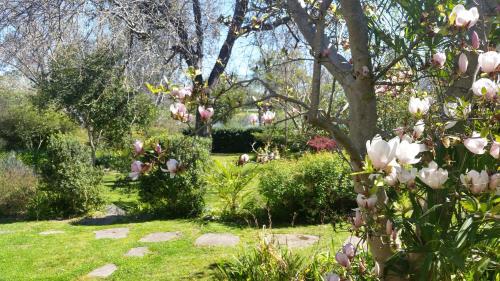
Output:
(171, 166)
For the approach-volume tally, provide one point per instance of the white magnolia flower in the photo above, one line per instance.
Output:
(476, 143)
(433, 176)
(419, 106)
(380, 152)
(464, 17)
(476, 182)
(489, 61)
(406, 152)
(485, 86)
(172, 167)
(419, 128)
(407, 176)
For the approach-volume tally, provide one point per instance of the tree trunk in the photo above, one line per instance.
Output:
(92, 146)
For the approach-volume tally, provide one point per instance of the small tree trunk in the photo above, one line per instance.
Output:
(92, 146)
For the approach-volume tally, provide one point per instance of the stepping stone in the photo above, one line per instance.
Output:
(160, 237)
(138, 252)
(104, 271)
(112, 233)
(50, 232)
(6, 231)
(217, 239)
(293, 240)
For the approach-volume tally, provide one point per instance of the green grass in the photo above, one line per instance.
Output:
(26, 255)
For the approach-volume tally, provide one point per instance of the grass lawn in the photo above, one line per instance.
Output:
(27, 255)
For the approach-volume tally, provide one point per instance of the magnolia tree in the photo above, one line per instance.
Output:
(432, 191)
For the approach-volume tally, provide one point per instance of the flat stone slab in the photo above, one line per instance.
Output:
(50, 232)
(138, 252)
(6, 231)
(160, 237)
(103, 271)
(293, 240)
(217, 239)
(112, 233)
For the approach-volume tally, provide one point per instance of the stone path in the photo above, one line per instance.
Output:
(293, 240)
(160, 237)
(103, 271)
(112, 215)
(50, 232)
(217, 239)
(138, 252)
(112, 233)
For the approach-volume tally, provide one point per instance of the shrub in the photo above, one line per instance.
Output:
(72, 183)
(312, 188)
(18, 186)
(266, 262)
(182, 195)
(235, 140)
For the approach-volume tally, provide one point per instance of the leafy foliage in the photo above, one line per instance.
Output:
(18, 187)
(229, 181)
(314, 187)
(182, 195)
(71, 183)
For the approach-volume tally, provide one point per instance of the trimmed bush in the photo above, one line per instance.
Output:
(313, 188)
(71, 182)
(182, 195)
(235, 140)
(18, 186)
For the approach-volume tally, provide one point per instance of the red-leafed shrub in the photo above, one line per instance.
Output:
(319, 143)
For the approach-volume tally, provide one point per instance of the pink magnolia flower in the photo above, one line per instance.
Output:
(138, 147)
(179, 111)
(489, 61)
(463, 17)
(136, 169)
(253, 119)
(495, 183)
(205, 114)
(343, 259)
(358, 219)
(332, 277)
(487, 86)
(475, 42)
(476, 143)
(366, 202)
(388, 227)
(463, 62)
(268, 117)
(438, 59)
(433, 176)
(181, 94)
(419, 106)
(158, 148)
(476, 182)
(495, 149)
(380, 152)
(349, 250)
